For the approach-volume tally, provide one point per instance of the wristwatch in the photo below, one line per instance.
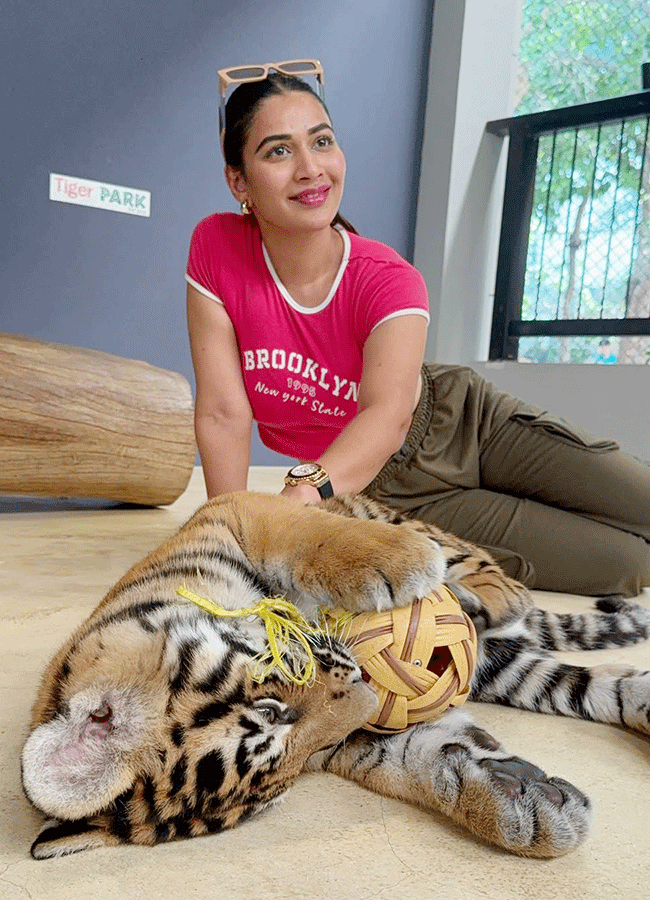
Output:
(311, 473)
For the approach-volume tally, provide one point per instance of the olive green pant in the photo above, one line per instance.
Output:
(558, 509)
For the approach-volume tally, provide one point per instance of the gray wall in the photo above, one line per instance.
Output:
(127, 93)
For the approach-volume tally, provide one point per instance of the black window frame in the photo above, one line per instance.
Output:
(524, 133)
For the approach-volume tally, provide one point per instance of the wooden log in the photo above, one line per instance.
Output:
(82, 423)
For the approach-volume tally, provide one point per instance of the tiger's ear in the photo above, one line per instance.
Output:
(76, 764)
(63, 838)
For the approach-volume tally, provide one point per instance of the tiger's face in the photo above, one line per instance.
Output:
(173, 738)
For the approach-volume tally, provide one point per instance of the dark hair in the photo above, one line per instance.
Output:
(240, 112)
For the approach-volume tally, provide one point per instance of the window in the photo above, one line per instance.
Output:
(574, 268)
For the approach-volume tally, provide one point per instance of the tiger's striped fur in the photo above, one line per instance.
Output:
(148, 726)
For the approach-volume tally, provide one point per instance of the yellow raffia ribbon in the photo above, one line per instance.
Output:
(286, 632)
(336, 625)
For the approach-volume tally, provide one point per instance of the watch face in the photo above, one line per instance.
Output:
(304, 470)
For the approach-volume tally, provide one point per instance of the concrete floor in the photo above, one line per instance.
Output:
(330, 839)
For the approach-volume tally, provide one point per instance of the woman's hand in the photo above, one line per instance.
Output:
(304, 493)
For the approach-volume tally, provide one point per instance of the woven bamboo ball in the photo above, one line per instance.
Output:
(419, 659)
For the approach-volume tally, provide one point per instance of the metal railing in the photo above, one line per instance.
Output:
(574, 253)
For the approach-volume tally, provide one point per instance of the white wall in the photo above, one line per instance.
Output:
(472, 74)
(611, 401)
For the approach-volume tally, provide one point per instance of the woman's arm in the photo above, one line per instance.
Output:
(222, 416)
(388, 393)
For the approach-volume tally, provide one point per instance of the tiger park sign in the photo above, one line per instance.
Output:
(99, 194)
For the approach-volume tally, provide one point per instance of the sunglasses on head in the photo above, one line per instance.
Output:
(242, 74)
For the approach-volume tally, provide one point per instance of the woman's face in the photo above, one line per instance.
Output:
(294, 170)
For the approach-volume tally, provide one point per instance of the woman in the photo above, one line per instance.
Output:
(318, 334)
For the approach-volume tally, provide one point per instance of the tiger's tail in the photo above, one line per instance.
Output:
(618, 623)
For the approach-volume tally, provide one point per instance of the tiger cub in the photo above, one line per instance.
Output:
(149, 726)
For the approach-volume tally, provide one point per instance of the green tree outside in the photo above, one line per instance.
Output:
(589, 248)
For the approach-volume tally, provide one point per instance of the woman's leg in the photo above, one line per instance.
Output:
(542, 457)
(524, 484)
(545, 547)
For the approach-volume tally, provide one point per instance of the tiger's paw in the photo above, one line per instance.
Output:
(507, 800)
(368, 566)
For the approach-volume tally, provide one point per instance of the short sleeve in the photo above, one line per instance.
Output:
(202, 262)
(396, 289)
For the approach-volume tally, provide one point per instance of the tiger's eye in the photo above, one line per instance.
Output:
(269, 713)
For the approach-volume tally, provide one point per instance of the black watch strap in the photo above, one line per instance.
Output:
(325, 490)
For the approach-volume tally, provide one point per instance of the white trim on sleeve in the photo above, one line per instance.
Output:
(202, 290)
(412, 311)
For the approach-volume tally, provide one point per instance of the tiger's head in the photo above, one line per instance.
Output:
(149, 729)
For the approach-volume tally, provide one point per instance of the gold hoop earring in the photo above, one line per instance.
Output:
(243, 206)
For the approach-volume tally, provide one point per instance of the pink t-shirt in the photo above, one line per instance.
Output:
(301, 366)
